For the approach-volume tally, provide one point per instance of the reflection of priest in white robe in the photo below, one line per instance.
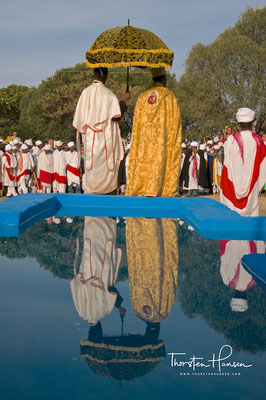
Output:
(95, 118)
(92, 291)
(233, 274)
(244, 170)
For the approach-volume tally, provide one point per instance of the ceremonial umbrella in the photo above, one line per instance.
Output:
(128, 46)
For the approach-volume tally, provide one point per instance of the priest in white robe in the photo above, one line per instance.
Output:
(59, 176)
(9, 165)
(25, 166)
(45, 169)
(96, 118)
(244, 170)
(73, 168)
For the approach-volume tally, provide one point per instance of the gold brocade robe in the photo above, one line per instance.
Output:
(155, 151)
(152, 253)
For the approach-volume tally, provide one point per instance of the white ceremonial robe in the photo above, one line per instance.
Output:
(45, 171)
(98, 270)
(73, 165)
(9, 165)
(59, 177)
(95, 111)
(193, 182)
(25, 164)
(244, 172)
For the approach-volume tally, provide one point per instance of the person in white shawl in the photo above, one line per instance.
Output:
(92, 286)
(45, 169)
(244, 169)
(9, 165)
(193, 172)
(96, 118)
(73, 168)
(25, 165)
(59, 177)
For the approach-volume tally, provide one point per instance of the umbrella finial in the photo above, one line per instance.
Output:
(128, 21)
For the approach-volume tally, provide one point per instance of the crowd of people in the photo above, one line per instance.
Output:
(43, 167)
(54, 166)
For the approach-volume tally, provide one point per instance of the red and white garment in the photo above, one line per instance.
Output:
(25, 164)
(98, 270)
(73, 165)
(59, 177)
(9, 164)
(193, 171)
(103, 149)
(232, 272)
(244, 172)
(45, 171)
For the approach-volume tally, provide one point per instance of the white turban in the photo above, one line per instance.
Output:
(194, 144)
(216, 147)
(58, 143)
(245, 115)
(15, 141)
(29, 142)
(24, 147)
(47, 147)
(38, 142)
(183, 145)
(71, 144)
(238, 305)
(202, 146)
(210, 142)
(8, 147)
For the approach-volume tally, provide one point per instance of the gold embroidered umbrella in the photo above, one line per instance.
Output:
(128, 46)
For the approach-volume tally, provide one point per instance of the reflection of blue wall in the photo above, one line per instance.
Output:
(208, 217)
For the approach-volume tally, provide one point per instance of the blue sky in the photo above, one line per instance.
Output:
(39, 37)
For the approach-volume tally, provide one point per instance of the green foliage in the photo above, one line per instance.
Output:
(224, 76)
(10, 98)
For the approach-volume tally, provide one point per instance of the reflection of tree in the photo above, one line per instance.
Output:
(203, 293)
(53, 246)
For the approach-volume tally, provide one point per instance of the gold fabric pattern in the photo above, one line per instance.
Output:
(155, 151)
(129, 46)
(152, 253)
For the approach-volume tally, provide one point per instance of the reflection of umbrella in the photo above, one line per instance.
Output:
(122, 358)
(128, 46)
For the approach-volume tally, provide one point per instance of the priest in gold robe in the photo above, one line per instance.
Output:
(155, 150)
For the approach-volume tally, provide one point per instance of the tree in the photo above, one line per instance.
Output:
(10, 98)
(224, 76)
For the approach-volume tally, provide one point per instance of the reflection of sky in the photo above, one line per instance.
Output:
(40, 353)
(37, 37)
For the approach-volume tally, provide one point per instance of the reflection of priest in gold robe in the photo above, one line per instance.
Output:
(155, 150)
(152, 253)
